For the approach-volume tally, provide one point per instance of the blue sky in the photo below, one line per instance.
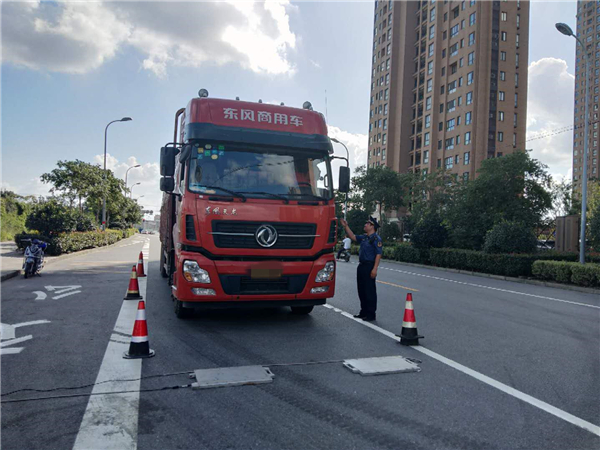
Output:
(70, 68)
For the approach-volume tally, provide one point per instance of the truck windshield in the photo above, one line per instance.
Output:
(216, 170)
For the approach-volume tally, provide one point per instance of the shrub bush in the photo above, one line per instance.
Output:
(510, 237)
(128, 232)
(21, 244)
(408, 253)
(567, 272)
(76, 241)
(586, 275)
(429, 233)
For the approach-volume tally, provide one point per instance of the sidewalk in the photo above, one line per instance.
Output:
(10, 259)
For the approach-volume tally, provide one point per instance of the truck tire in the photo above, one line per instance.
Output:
(180, 311)
(301, 309)
(163, 260)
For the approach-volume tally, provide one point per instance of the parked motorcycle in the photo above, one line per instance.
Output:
(345, 255)
(33, 258)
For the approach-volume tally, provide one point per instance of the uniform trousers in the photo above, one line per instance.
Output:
(367, 290)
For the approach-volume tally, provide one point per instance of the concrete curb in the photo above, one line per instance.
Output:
(567, 287)
(15, 273)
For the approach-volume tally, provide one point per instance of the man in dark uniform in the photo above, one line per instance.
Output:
(371, 248)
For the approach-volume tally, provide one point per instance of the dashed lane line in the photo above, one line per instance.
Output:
(110, 421)
(398, 286)
(508, 291)
(588, 426)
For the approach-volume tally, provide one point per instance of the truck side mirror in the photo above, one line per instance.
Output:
(344, 181)
(167, 161)
(167, 184)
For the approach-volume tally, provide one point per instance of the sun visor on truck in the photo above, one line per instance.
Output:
(238, 135)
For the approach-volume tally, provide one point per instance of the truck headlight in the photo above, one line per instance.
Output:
(327, 273)
(194, 274)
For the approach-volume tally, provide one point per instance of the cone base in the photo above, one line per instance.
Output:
(409, 336)
(141, 276)
(150, 354)
(133, 297)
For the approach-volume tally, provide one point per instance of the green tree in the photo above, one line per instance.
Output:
(510, 237)
(74, 180)
(515, 188)
(429, 232)
(378, 188)
(14, 210)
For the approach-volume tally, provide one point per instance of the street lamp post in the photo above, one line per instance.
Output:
(567, 31)
(127, 171)
(131, 190)
(124, 119)
(348, 163)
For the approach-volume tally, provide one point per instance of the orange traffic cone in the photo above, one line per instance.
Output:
(409, 334)
(133, 292)
(139, 346)
(140, 266)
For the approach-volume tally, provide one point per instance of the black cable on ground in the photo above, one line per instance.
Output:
(166, 388)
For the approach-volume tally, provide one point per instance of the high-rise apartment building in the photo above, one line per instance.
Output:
(449, 84)
(588, 30)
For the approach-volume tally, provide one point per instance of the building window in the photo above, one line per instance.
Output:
(451, 106)
(449, 162)
(468, 118)
(501, 116)
(517, 60)
(500, 136)
(441, 126)
(441, 108)
(469, 97)
(454, 49)
(431, 49)
(472, 19)
(514, 139)
(387, 78)
(385, 124)
(454, 30)
(431, 31)
(387, 94)
(517, 40)
(515, 120)
(384, 141)
(439, 162)
(429, 67)
(453, 68)
(442, 89)
(428, 104)
(517, 80)
(467, 141)
(429, 85)
(427, 121)
(471, 59)
(443, 53)
(426, 139)
(472, 39)
(518, 20)
(501, 95)
(426, 152)
(450, 124)
(503, 36)
(387, 64)
(517, 100)
(459, 102)
(449, 144)
(466, 176)
(385, 109)
(502, 76)
(502, 56)
(432, 14)
(443, 71)
(469, 78)
(452, 87)
(503, 17)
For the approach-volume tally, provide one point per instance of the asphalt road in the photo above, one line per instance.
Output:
(504, 365)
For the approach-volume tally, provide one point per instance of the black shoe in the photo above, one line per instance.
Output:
(360, 315)
(368, 318)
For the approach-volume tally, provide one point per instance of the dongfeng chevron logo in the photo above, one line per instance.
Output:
(266, 236)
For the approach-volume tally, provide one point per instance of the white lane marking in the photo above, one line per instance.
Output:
(15, 341)
(66, 295)
(33, 322)
(111, 421)
(11, 351)
(40, 295)
(490, 288)
(61, 289)
(595, 429)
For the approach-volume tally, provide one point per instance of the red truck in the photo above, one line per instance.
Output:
(248, 213)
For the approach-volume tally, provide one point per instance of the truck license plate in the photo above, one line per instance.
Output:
(266, 271)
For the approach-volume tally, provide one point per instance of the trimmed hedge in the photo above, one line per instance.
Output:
(76, 241)
(568, 272)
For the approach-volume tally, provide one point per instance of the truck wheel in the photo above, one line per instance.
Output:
(180, 311)
(301, 309)
(163, 260)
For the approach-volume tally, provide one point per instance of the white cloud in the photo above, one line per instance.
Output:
(77, 37)
(30, 186)
(547, 114)
(357, 148)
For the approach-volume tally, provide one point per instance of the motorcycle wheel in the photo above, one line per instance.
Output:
(347, 257)
(28, 267)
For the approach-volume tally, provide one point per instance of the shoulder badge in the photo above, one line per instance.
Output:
(379, 244)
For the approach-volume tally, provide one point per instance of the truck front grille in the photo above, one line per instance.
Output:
(244, 285)
(238, 234)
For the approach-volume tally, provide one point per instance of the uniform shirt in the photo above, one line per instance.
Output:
(347, 243)
(370, 247)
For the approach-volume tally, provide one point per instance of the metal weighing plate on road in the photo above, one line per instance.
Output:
(232, 376)
(381, 365)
